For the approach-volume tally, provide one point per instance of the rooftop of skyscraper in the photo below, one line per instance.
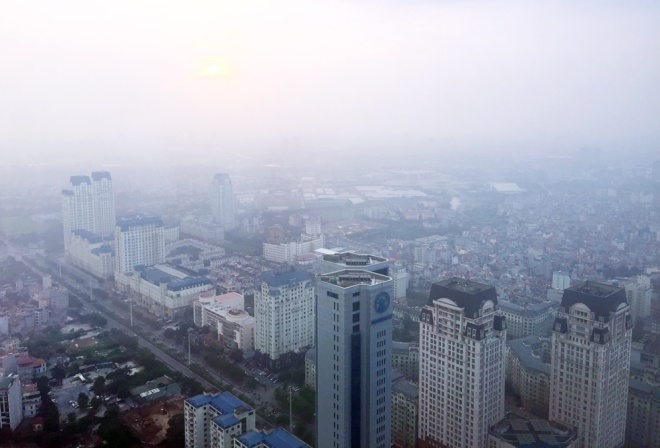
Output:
(599, 297)
(466, 294)
(351, 277)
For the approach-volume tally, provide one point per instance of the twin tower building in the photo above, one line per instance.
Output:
(462, 361)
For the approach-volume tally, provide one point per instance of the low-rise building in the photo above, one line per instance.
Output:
(31, 400)
(528, 373)
(164, 290)
(288, 252)
(225, 314)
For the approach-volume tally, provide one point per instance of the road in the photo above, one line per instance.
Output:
(171, 362)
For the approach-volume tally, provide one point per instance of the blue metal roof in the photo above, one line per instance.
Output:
(225, 403)
(251, 438)
(226, 421)
(155, 276)
(105, 249)
(279, 438)
(178, 285)
(98, 175)
(77, 180)
(125, 224)
(89, 236)
(285, 278)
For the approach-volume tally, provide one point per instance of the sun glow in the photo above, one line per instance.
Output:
(217, 69)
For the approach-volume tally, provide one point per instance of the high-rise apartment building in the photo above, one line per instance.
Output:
(89, 204)
(284, 311)
(353, 359)
(461, 375)
(639, 294)
(222, 200)
(139, 242)
(591, 363)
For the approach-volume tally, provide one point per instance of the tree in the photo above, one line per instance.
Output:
(58, 372)
(71, 418)
(83, 400)
(99, 385)
(176, 431)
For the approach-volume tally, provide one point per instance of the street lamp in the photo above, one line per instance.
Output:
(290, 413)
(190, 330)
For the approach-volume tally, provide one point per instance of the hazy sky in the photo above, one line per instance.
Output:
(188, 79)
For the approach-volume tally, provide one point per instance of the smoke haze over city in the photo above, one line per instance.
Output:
(255, 81)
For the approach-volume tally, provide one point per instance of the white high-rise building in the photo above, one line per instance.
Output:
(561, 280)
(591, 363)
(222, 200)
(353, 359)
(103, 203)
(89, 204)
(139, 242)
(11, 402)
(284, 310)
(461, 377)
(639, 294)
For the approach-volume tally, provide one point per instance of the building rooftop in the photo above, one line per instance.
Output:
(526, 309)
(352, 277)
(600, 298)
(277, 438)
(406, 388)
(225, 403)
(533, 432)
(353, 260)
(99, 175)
(529, 351)
(125, 224)
(466, 294)
(87, 235)
(77, 180)
(286, 278)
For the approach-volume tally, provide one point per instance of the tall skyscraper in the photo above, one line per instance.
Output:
(591, 363)
(222, 200)
(89, 204)
(139, 241)
(353, 359)
(461, 377)
(284, 311)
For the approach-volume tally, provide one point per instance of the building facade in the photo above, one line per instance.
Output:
(216, 420)
(139, 242)
(405, 359)
(528, 372)
(11, 404)
(404, 414)
(163, 290)
(226, 315)
(289, 252)
(591, 363)
(91, 253)
(89, 204)
(639, 293)
(222, 200)
(461, 377)
(353, 359)
(284, 312)
(528, 319)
